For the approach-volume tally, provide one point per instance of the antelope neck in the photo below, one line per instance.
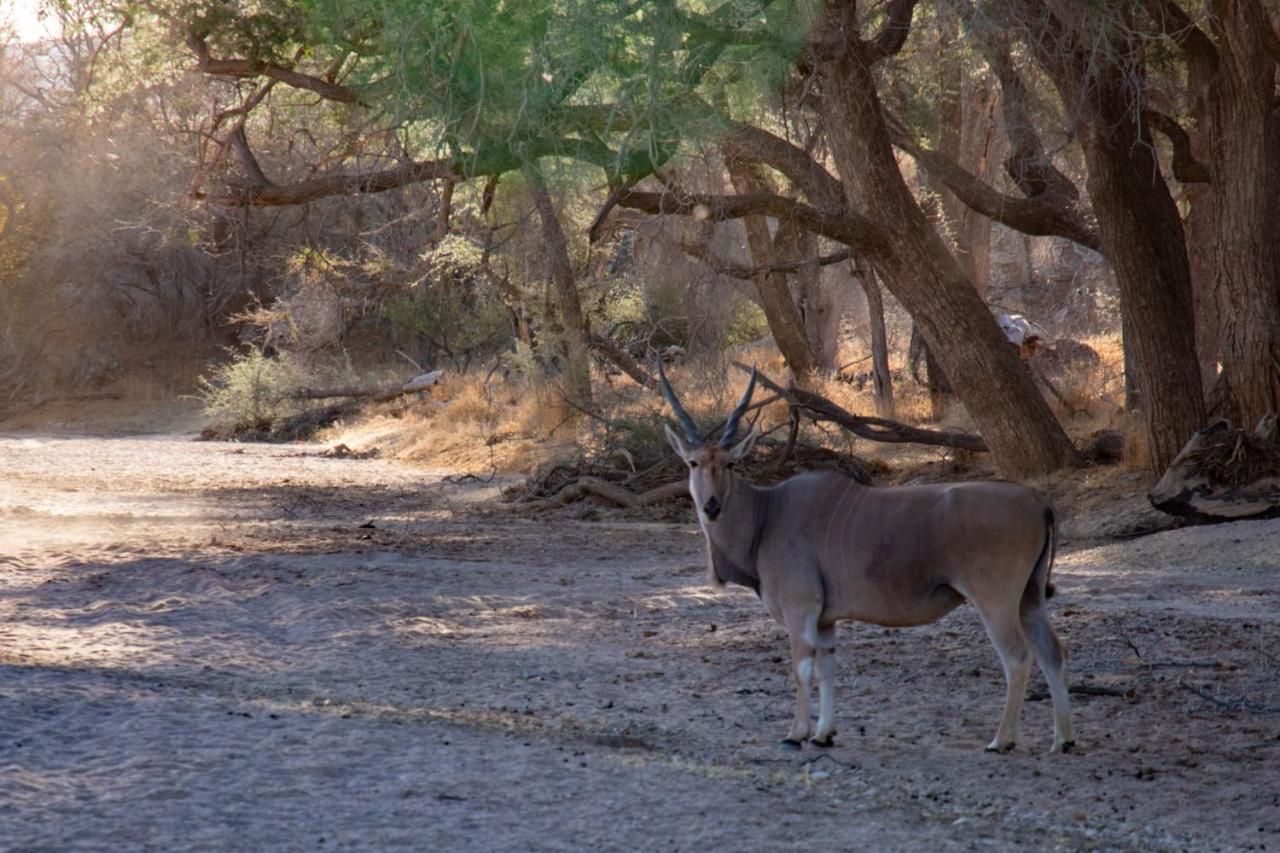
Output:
(736, 534)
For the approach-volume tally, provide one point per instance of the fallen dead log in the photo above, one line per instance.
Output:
(593, 486)
(418, 383)
(563, 483)
(819, 408)
(1224, 473)
(1122, 691)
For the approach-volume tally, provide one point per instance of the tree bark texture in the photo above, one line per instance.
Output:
(1199, 225)
(941, 391)
(995, 387)
(1244, 169)
(881, 378)
(1138, 221)
(820, 305)
(577, 374)
(776, 301)
(966, 136)
(1143, 234)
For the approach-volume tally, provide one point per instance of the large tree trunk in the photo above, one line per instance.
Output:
(577, 374)
(941, 391)
(934, 378)
(995, 387)
(1138, 222)
(881, 378)
(1244, 170)
(1141, 229)
(779, 307)
(821, 305)
(1198, 225)
(966, 135)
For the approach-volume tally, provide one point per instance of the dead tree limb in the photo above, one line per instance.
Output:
(1236, 703)
(611, 492)
(1121, 692)
(623, 361)
(819, 408)
(418, 383)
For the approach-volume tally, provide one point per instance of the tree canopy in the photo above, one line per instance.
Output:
(891, 135)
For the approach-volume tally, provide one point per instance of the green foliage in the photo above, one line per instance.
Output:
(654, 311)
(640, 436)
(249, 389)
(647, 312)
(524, 361)
(616, 83)
(453, 305)
(261, 30)
(747, 323)
(252, 388)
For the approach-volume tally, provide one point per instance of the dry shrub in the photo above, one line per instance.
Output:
(254, 390)
(479, 421)
(1078, 392)
(470, 405)
(1110, 350)
(1090, 397)
(469, 424)
(251, 389)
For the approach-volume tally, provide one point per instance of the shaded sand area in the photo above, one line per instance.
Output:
(208, 645)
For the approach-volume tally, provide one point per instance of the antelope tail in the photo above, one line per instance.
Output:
(1039, 587)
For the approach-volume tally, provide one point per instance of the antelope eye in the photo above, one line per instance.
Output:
(693, 464)
(729, 466)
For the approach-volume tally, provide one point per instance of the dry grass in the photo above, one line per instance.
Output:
(468, 424)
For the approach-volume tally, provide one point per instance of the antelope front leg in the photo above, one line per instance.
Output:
(803, 632)
(826, 688)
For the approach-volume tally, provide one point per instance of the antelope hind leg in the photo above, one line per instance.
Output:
(1053, 663)
(826, 649)
(1005, 630)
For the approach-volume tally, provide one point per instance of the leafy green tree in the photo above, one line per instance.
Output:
(471, 89)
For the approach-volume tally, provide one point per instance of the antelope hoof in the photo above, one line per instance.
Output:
(1065, 747)
(793, 745)
(996, 746)
(826, 743)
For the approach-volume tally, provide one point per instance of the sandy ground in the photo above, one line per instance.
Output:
(208, 645)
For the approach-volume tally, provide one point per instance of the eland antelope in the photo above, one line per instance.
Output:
(820, 547)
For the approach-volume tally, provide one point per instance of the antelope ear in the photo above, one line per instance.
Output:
(677, 443)
(743, 448)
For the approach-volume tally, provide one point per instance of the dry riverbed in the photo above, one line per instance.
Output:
(210, 645)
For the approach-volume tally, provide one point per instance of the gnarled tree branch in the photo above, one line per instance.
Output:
(1042, 215)
(1175, 23)
(1186, 168)
(845, 227)
(893, 35)
(700, 252)
(749, 143)
(257, 178)
(1027, 165)
(492, 161)
(245, 68)
(623, 361)
(819, 408)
